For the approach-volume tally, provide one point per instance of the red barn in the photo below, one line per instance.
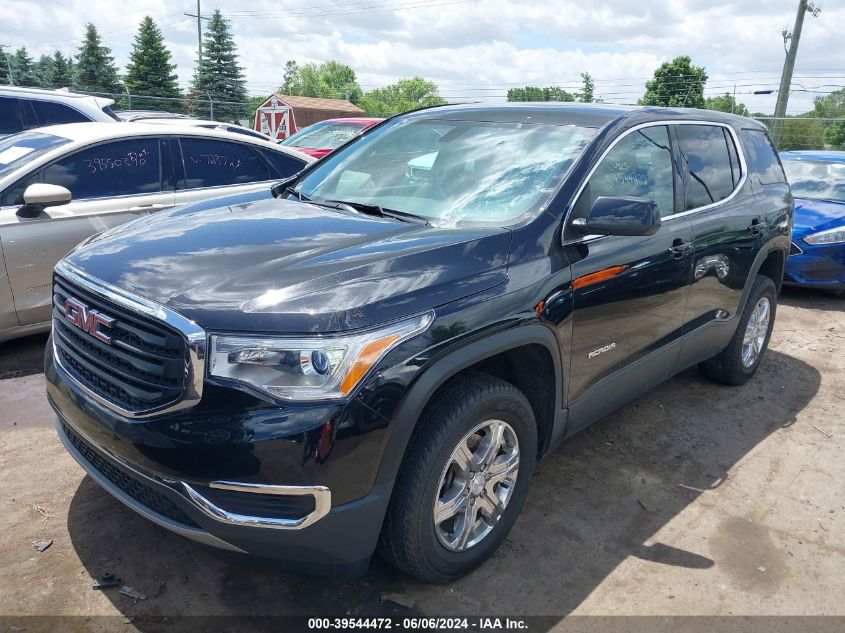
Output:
(282, 115)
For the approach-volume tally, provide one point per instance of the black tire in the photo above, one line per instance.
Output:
(727, 366)
(408, 538)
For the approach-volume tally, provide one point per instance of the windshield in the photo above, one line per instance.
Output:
(25, 146)
(816, 179)
(451, 171)
(324, 135)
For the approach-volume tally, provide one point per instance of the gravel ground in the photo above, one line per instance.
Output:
(696, 499)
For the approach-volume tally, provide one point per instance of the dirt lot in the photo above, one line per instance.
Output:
(695, 499)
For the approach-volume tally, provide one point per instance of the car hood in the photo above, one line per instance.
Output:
(812, 216)
(279, 265)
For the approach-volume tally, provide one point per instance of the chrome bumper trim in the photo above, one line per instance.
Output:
(194, 335)
(322, 504)
(321, 494)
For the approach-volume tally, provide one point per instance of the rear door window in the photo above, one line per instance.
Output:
(10, 115)
(50, 113)
(761, 156)
(120, 168)
(216, 163)
(710, 176)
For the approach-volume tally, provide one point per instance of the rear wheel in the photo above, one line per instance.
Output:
(740, 359)
(464, 479)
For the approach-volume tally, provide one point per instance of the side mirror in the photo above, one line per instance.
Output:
(39, 196)
(620, 215)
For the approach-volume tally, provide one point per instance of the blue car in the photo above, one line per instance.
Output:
(817, 254)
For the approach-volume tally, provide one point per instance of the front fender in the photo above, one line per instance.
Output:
(448, 365)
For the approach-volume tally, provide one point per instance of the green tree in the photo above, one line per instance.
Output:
(290, 77)
(534, 93)
(45, 71)
(62, 70)
(832, 106)
(726, 103)
(677, 84)
(23, 68)
(5, 62)
(94, 69)
(799, 132)
(404, 95)
(330, 80)
(219, 75)
(588, 88)
(149, 71)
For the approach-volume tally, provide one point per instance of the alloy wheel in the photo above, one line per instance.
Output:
(755, 332)
(476, 485)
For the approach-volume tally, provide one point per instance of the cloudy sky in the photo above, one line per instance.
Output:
(474, 49)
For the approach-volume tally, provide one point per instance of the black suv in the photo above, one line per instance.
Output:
(376, 355)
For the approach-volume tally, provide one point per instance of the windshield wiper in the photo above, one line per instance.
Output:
(374, 209)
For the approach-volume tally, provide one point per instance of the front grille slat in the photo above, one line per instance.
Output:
(144, 368)
(123, 378)
(130, 324)
(128, 482)
(164, 371)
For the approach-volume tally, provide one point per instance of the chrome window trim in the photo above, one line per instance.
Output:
(322, 494)
(194, 335)
(740, 153)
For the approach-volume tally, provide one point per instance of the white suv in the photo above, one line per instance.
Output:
(27, 108)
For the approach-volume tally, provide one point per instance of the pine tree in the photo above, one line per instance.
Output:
(149, 71)
(95, 70)
(588, 88)
(4, 67)
(62, 71)
(218, 75)
(45, 71)
(23, 69)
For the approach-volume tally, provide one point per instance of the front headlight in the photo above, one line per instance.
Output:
(830, 236)
(312, 367)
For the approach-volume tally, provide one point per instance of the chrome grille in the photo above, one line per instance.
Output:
(144, 368)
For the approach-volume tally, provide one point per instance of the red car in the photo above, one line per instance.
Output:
(319, 139)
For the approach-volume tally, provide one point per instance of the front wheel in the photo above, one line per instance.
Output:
(464, 479)
(740, 359)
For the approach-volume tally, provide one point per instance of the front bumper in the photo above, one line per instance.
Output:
(250, 479)
(816, 266)
(336, 540)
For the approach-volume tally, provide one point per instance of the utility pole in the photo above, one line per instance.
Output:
(198, 15)
(789, 66)
(9, 64)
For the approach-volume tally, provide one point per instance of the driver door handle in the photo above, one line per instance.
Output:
(680, 248)
(757, 226)
(148, 207)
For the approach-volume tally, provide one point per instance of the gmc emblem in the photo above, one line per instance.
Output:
(88, 320)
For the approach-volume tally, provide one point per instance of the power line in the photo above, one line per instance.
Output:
(349, 9)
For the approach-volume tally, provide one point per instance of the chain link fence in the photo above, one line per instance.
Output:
(788, 133)
(201, 107)
(804, 133)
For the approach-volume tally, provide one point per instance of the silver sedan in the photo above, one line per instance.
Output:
(64, 183)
